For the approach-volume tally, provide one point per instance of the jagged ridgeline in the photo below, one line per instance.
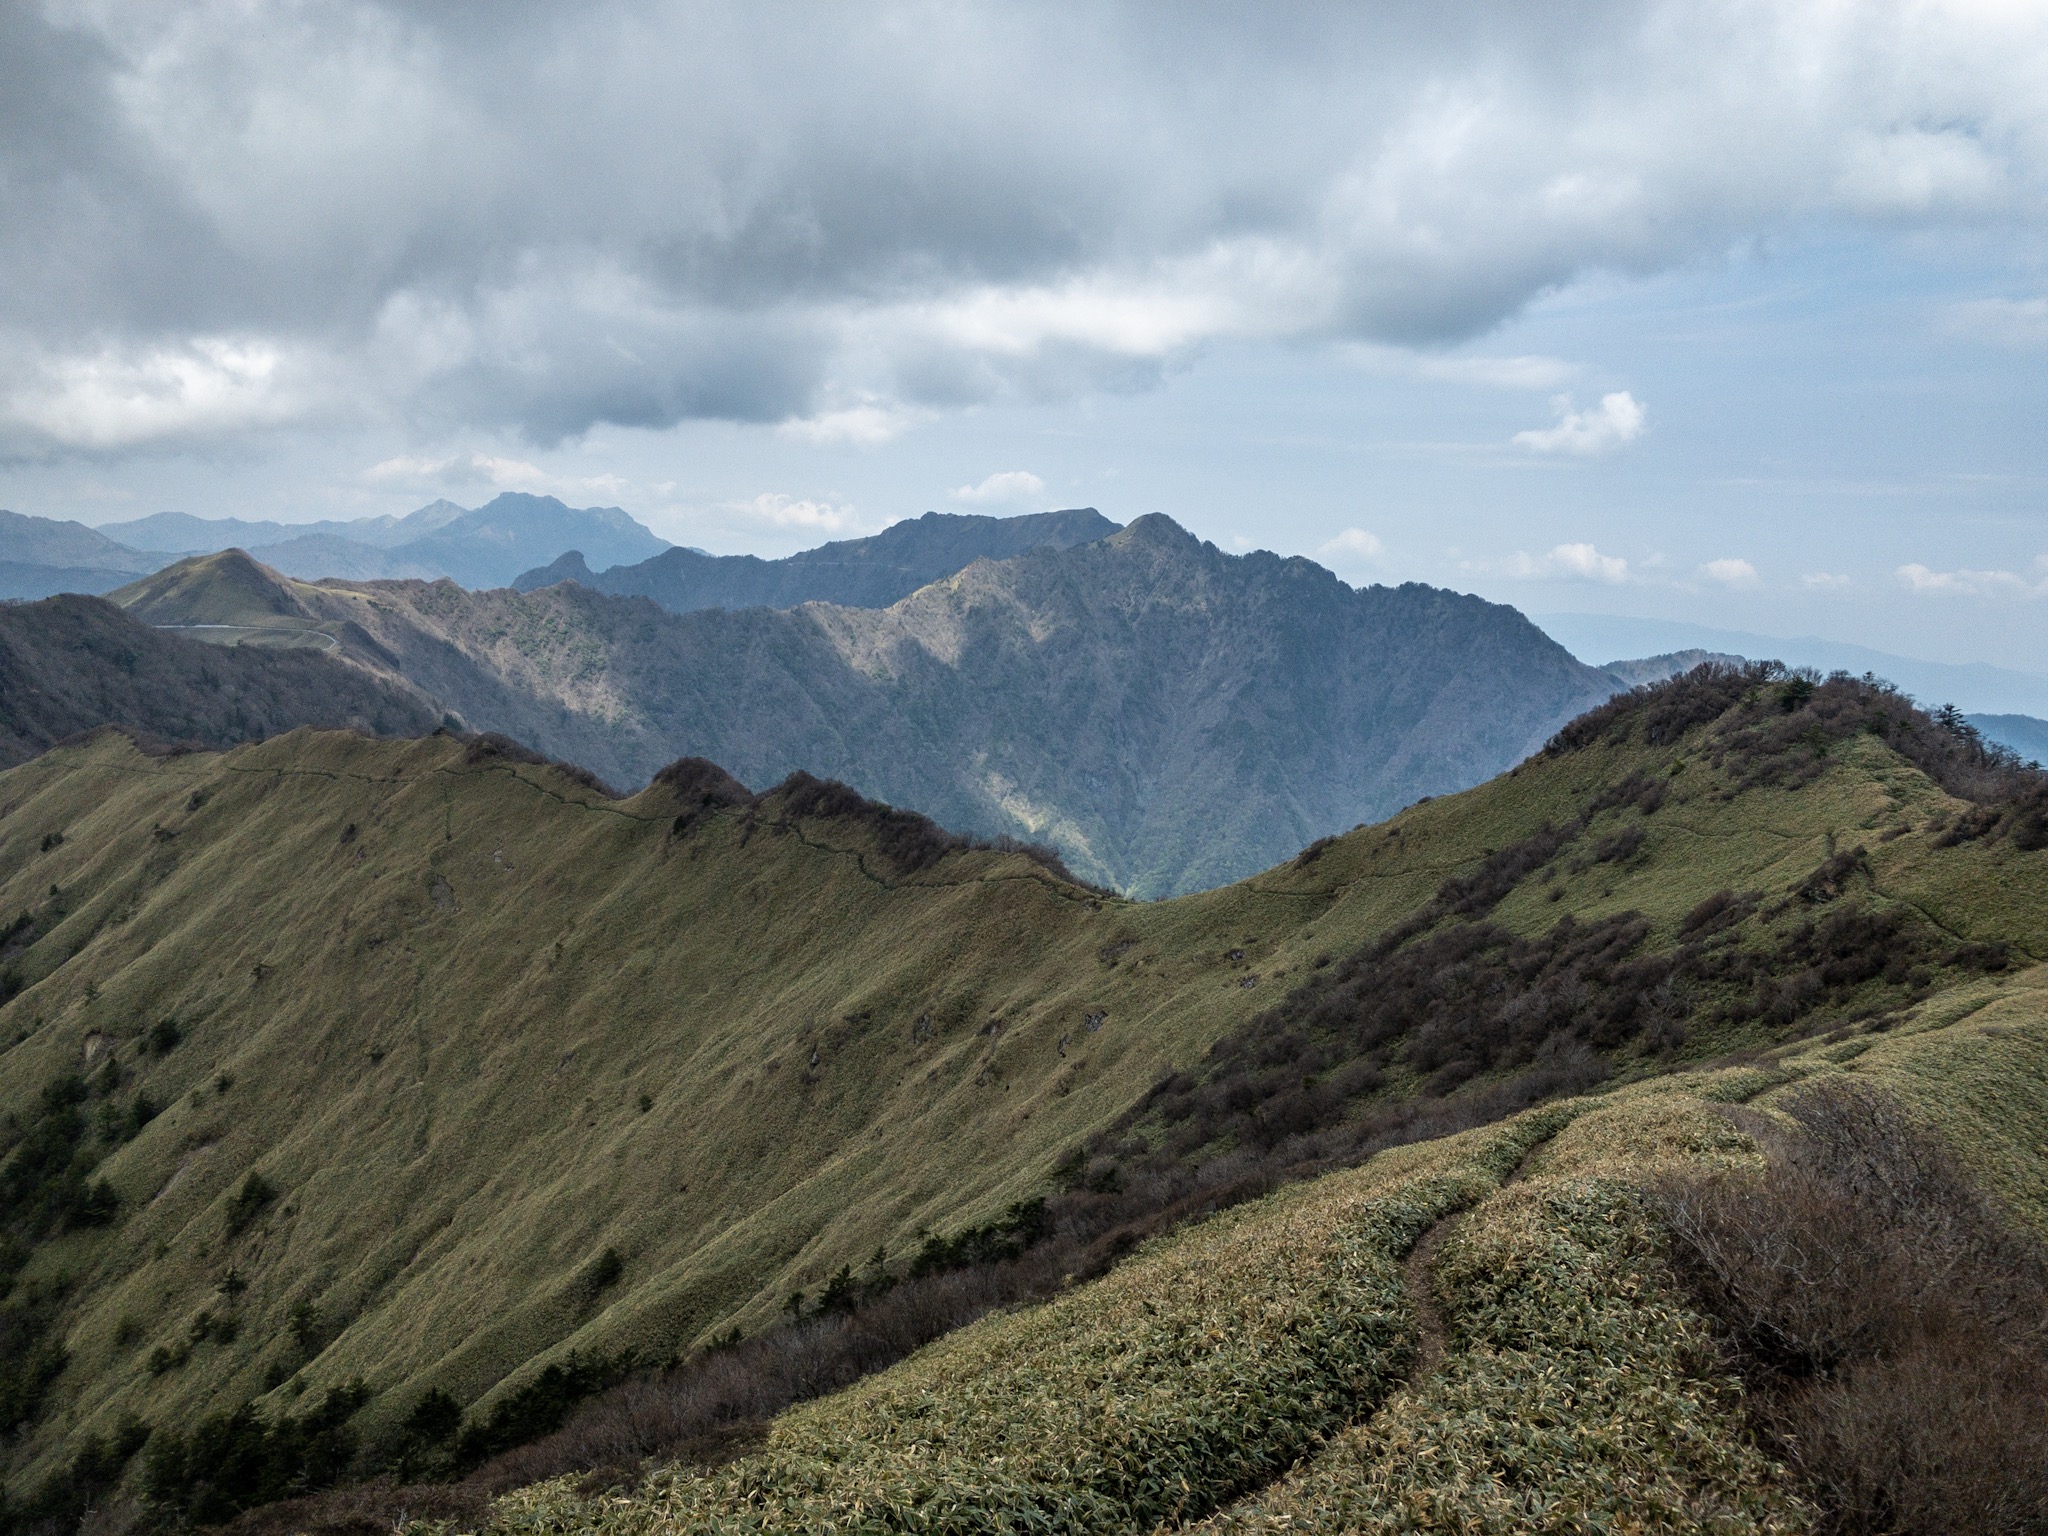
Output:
(381, 1098)
(1170, 717)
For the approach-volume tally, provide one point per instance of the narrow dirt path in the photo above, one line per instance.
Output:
(1418, 1278)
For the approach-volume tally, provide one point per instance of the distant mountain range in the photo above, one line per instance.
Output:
(2025, 734)
(485, 547)
(1168, 716)
(1972, 686)
(855, 573)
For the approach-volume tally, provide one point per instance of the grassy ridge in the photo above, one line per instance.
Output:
(476, 1024)
(1580, 1389)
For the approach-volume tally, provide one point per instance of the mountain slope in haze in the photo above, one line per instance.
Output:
(856, 573)
(182, 533)
(1972, 686)
(1638, 671)
(495, 1026)
(40, 556)
(484, 547)
(2024, 734)
(69, 664)
(1169, 717)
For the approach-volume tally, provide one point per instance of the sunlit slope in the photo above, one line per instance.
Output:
(1271, 1365)
(424, 993)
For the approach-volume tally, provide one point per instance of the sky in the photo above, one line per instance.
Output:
(1731, 314)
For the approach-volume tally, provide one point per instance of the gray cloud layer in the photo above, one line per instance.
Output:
(217, 219)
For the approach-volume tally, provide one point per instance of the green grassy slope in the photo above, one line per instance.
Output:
(425, 993)
(1269, 1368)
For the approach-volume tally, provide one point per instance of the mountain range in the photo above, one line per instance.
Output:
(1975, 687)
(855, 573)
(1167, 716)
(416, 1110)
(484, 547)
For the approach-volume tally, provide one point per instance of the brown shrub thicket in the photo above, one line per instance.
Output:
(908, 841)
(1891, 1323)
(1774, 725)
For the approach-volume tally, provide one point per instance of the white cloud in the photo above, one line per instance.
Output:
(1521, 372)
(1351, 549)
(1616, 420)
(861, 426)
(1007, 487)
(1730, 572)
(692, 212)
(1572, 562)
(2021, 324)
(461, 470)
(121, 397)
(1824, 581)
(778, 511)
(1967, 583)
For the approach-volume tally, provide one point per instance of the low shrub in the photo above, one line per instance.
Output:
(1892, 1324)
(249, 1202)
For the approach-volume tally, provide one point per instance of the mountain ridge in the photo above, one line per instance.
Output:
(72, 664)
(480, 547)
(498, 1025)
(1166, 715)
(871, 572)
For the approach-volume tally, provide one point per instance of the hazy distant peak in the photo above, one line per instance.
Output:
(568, 566)
(26, 540)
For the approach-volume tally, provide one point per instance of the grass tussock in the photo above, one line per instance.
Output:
(1200, 1368)
(1893, 1324)
(1578, 1394)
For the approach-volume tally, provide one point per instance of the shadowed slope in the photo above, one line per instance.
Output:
(69, 664)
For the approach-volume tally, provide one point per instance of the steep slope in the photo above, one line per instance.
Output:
(40, 556)
(1168, 716)
(856, 573)
(495, 1026)
(1486, 1333)
(69, 664)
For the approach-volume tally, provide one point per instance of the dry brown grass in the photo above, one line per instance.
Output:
(1891, 1322)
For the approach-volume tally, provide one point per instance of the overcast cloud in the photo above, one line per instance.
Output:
(221, 221)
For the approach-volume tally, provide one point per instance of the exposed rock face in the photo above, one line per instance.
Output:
(1168, 716)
